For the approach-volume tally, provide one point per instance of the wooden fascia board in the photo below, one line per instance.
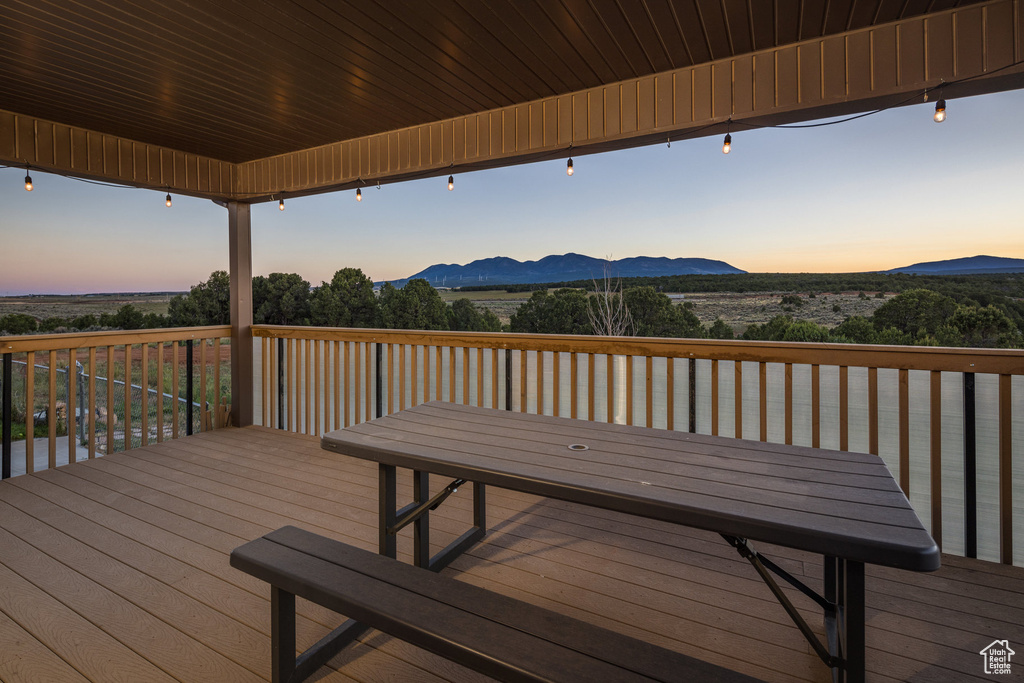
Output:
(77, 152)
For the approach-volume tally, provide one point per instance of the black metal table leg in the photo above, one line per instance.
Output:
(387, 499)
(854, 618)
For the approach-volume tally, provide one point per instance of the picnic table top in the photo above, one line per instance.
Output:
(835, 503)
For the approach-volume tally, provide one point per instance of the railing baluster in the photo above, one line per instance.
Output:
(401, 374)
(714, 397)
(175, 389)
(556, 370)
(1005, 471)
(904, 415)
(494, 378)
(6, 416)
(762, 388)
(629, 389)
(30, 412)
(591, 362)
(91, 406)
(524, 371)
(670, 393)
(345, 350)
(451, 374)
(160, 392)
(649, 388)
(789, 402)
(357, 372)
(815, 405)
(316, 387)
(414, 352)
(51, 414)
(307, 365)
(189, 388)
(72, 407)
(480, 376)
(936, 454)
(216, 382)
(144, 414)
(204, 406)
(508, 379)
(610, 370)
(438, 370)
(540, 382)
(368, 387)
(466, 396)
(692, 395)
(391, 379)
(844, 408)
(574, 394)
(337, 383)
(873, 411)
(379, 380)
(970, 470)
(737, 366)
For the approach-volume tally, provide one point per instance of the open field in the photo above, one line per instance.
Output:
(73, 305)
(737, 310)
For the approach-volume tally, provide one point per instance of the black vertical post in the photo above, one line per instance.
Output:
(970, 470)
(188, 387)
(421, 527)
(693, 395)
(280, 383)
(508, 379)
(6, 411)
(379, 380)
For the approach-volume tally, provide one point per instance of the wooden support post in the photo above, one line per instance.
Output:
(240, 264)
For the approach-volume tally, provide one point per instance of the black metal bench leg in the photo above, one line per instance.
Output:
(421, 527)
(282, 634)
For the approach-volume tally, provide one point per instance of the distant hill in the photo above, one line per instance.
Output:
(971, 265)
(501, 270)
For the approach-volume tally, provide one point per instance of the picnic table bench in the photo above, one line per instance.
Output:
(494, 634)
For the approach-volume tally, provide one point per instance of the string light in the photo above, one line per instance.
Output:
(568, 167)
(167, 199)
(940, 111)
(28, 179)
(359, 195)
(451, 183)
(280, 205)
(727, 145)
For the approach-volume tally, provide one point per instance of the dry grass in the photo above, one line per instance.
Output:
(72, 306)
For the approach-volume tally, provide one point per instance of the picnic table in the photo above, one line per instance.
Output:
(845, 506)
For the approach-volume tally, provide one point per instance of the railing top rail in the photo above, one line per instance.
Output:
(996, 361)
(78, 340)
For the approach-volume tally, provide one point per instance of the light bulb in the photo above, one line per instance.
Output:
(28, 182)
(167, 199)
(359, 195)
(451, 183)
(940, 111)
(727, 146)
(280, 205)
(568, 167)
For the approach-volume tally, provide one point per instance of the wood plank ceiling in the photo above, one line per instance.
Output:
(238, 80)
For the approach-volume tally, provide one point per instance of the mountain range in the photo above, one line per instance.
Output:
(501, 270)
(971, 265)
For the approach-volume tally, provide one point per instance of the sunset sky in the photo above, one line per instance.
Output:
(884, 191)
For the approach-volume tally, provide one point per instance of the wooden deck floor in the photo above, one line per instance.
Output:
(116, 569)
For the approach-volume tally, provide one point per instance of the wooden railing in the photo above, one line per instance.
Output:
(122, 389)
(948, 422)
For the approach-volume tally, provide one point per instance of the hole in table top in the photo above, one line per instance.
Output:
(578, 447)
